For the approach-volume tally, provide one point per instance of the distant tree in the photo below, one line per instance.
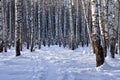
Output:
(28, 22)
(119, 24)
(56, 22)
(1, 26)
(77, 23)
(44, 23)
(39, 24)
(5, 25)
(65, 24)
(32, 26)
(72, 36)
(111, 25)
(49, 22)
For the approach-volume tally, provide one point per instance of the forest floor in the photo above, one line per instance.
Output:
(57, 63)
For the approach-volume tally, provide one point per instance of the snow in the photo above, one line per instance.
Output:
(55, 63)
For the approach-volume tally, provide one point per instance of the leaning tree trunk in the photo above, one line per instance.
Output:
(18, 24)
(96, 39)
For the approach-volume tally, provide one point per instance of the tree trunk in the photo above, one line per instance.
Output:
(119, 25)
(18, 48)
(111, 26)
(96, 39)
(43, 23)
(28, 22)
(1, 26)
(72, 38)
(5, 25)
(32, 26)
(39, 25)
(65, 23)
(1, 46)
(18, 24)
(56, 23)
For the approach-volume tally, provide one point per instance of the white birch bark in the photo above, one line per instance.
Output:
(18, 24)
(96, 38)
(88, 27)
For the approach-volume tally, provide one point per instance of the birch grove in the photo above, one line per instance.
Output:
(68, 23)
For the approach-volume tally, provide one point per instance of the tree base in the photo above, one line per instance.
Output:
(18, 47)
(99, 54)
(1, 46)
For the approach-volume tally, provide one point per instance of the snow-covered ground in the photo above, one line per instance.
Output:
(57, 63)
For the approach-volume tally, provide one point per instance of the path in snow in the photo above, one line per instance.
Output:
(56, 63)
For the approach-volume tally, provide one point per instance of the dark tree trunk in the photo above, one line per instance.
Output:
(27, 45)
(112, 47)
(1, 46)
(32, 45)
(18, 47)
(99, 54)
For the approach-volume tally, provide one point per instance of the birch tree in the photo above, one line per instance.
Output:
(72, 38)
(87, 24)
(18, 24)
(96, 39)
(105, 24)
